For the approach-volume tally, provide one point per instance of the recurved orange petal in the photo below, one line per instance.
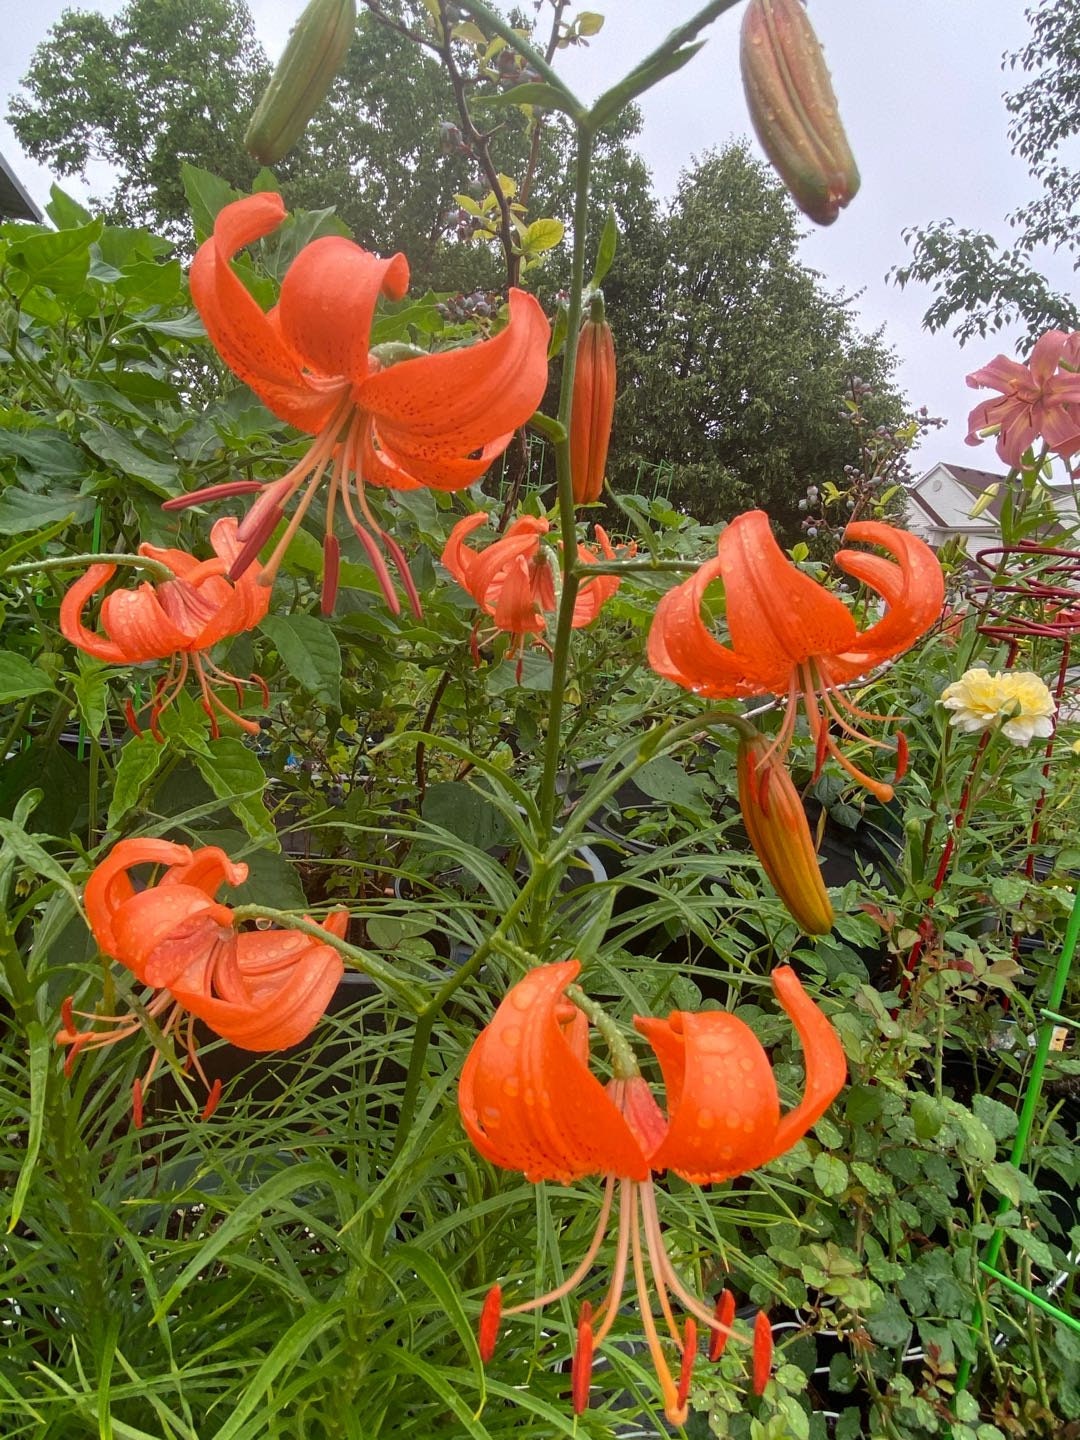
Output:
(445, 406)
(527, 1100)
(328, 300)
(139, 624)
(777, 617)
(722, 1103)
(683, 649)
(913, 591)
(71, 616)
(109, 885)
(826, 1067)
(291, 980)
(167, 929)
(252, 345)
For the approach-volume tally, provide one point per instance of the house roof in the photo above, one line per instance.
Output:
(975, 482)
(15, 203)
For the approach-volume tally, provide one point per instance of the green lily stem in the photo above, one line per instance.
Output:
(1032, 1096)
(362, 960)
(587, 807)
(623, 1063)
(561, 654)
(642, 567)
(80, 562)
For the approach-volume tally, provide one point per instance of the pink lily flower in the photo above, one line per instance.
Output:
(1037, 400)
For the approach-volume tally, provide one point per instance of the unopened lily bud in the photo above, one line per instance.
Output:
(593, 407)
(793, 108)
(313, 54)
(776, 823)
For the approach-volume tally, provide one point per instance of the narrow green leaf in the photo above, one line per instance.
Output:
(648, 74)
(39, 1049)
(31, 853)
(605, 254)
(246, 1215)
(286, 1352)
(533, 92)
(23, 547)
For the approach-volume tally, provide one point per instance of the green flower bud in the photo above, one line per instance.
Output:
(313, 54)
(793, 108)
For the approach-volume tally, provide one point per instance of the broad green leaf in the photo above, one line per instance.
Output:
(830, 1174)
(665, 779)
(64, 212)
(542, 235)
(58, 260)
(310, 652)
(234, 774)
(207, 194)
(19, 678)
(114, 447)
(44, 451)
(466, 813)
(589, 22)
(140, 760)
(21, 512)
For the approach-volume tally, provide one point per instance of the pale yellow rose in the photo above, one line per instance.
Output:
(1017, 697)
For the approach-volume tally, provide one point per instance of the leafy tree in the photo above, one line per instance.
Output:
(161, 82)
(745, 361)
(980, 284)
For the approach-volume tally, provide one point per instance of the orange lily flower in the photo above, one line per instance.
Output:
(179, 620)
(790, 636)
(511, 579)
(529, 1102)
(259, 989)
(437, 420)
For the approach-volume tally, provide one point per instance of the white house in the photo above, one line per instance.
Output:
(941, 501)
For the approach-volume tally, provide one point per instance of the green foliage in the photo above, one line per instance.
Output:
(745, 361)
(981, 285)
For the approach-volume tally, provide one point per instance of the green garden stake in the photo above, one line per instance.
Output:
(1032, 1094)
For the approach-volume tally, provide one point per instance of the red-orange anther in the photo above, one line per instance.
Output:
(763, 1352)
(490, 1316)
(724, 1314)
(581, 1368)
(593, 407)
(689, 1355)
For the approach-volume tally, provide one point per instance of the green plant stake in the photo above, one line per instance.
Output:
(1032, 1094)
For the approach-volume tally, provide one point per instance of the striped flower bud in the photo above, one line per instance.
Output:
(793, 108)
(593, 407)
(313, 54)
(780, 834)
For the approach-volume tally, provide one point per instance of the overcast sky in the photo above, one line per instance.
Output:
(919, 84)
